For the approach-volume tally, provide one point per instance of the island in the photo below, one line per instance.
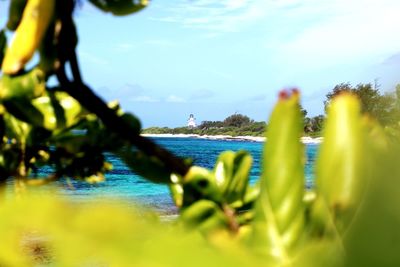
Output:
(235, 127)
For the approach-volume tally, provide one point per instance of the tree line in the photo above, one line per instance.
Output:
(234, 125)
(383, 107)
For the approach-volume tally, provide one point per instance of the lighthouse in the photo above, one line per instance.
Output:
(191, 121)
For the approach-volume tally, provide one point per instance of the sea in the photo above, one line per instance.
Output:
(123, 184)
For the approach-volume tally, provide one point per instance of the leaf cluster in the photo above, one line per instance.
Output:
(277, 219)
(67, 127)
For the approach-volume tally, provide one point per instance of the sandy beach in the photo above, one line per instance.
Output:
(304, 139)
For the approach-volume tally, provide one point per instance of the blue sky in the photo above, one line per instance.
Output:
(214, 58)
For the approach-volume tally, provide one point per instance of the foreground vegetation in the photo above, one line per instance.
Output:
(350, 218)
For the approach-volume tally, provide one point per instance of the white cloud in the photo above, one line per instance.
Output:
(351, 30)
(175, 99)
(233, 15)
(144, 98)
(221, 16)
(317, 29)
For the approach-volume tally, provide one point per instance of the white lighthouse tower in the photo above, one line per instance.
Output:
(191, 121)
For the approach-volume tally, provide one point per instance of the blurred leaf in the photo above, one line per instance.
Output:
(120, 7)
(59, 109)
(204, 215)
(149, 167)
(232, 174)
(279, 212)
(15, 128)
(104, 233)
(236, 188)
(27, 85)
(95, 178)
(200, 183)
(176, 190)
(343, 164)
(373, 238)
(23, 110)
(15, 11)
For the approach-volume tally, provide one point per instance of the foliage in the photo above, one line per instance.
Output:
(211, 124)
(234, 125)
(65, 127)
(349, 219)
(282, 223)
(237, 120)
(382, 107)
(314, 124)
(101, 234)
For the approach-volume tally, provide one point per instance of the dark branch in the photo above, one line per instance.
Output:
(96, 105)
(93, 103)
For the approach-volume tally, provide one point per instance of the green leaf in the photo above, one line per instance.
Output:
(372, 238)
(232, 174)
(59, 110)
(23, 110)
(200, 183)
(250, 197)
(53, 111)
(343, 164)
(204, 215)
(237, 186)
(176, 190)
(279, 212)
(16, 128)
(27, 85)
(224, 168)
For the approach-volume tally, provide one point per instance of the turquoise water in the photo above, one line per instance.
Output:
(122, 183)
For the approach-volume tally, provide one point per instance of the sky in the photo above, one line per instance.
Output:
(215, 58)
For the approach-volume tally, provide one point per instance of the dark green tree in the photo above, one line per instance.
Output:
(382, 107)
(338, 89)
(237, 120)
(210, 124)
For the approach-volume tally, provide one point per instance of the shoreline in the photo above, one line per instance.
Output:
(304, 139)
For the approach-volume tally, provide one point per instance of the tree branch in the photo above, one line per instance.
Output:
(96, 105)
(87, 98)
